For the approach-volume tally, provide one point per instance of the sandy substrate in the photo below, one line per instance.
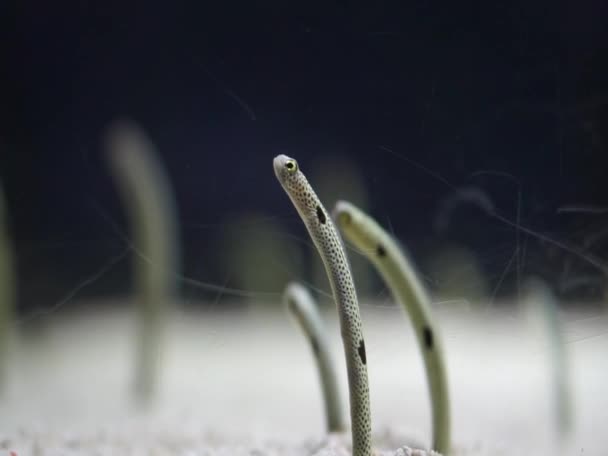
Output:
(243, 382)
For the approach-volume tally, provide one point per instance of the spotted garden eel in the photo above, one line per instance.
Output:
(329, 244)
(395, 269)
(301, 305)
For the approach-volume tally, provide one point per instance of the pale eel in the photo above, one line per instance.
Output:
(400, 276)
(7, 294)
(330, 248)
(302, 306)
(148, 198)
(542, 308)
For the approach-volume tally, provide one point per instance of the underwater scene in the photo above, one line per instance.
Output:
(304, 228)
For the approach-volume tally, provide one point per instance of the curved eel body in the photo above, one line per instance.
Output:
(329, 244)
(386, 256)
(302, 306)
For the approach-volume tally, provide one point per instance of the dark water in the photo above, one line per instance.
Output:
(427, 103)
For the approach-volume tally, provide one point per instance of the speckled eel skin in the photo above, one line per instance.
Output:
(329, 244)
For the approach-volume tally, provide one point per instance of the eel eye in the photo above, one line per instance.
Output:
(292, 166)
(345, 218)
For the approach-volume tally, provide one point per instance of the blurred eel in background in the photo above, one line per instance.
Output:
(149, 203)
(541, 307)
(302, 306)
(7, 293)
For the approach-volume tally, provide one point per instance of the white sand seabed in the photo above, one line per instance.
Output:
(241, 380)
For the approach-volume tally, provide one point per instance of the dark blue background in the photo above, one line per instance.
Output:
(519, 87)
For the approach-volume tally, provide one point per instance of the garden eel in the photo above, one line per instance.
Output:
(7, 294)
(148, 198)
(541, 305)
(397, 272)
(302, 306)
(329, 244)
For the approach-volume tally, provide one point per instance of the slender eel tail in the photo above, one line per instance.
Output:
(301, 305)
(384, 253)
